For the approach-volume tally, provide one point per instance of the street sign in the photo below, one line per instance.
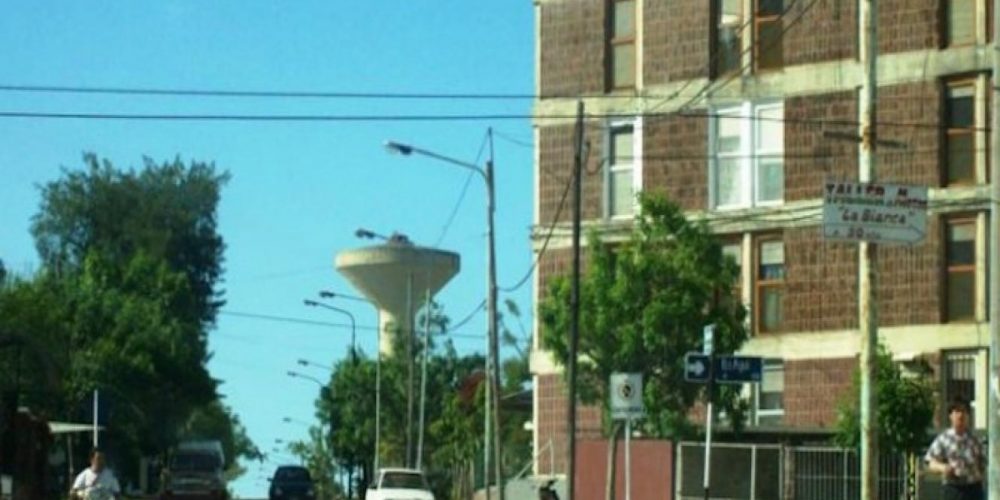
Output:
(708, 340)
(626, 396)
(700, 368)
(738, 369)
(697, 367)
(879, 213)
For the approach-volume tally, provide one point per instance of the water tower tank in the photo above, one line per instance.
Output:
(396, 276)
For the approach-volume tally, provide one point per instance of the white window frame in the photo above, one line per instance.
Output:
(610, 168)
(748, 155)
(769, 413)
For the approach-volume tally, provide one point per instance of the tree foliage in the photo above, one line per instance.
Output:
(643, 306)
(123, 303)
(904, 407)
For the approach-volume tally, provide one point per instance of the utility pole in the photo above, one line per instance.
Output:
(993, 417)
(868, 265)
(493, 338)
(574, 325)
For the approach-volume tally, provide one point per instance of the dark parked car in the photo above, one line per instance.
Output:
(291, 482)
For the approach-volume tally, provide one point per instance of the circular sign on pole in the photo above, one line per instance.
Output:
(626, 396)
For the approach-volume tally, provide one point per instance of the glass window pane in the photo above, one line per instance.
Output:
(961, 295)
(621, 192)
(961, 22)
(772, 252)
(961, 244)
(770, 179)
(730, 48)
(624, 18)
(961, 106)
(771, 401)
(728, 132)
(770, 7)
(623, 65)
(621, 146)
(731, 10)
(770, 54)
(771, 314)
(961, 158)
(773, 379)
(770, 129)
(727, 182)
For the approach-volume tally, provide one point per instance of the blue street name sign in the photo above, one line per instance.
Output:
(726, 369)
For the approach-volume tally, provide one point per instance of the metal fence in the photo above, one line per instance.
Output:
(774, 472)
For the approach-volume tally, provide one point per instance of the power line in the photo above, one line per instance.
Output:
(461, 196)
(287, 319)
(276, 118)
(545, 244)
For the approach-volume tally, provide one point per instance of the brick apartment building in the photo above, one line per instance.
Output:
(788, 71)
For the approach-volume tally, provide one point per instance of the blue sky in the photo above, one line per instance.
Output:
(298, 190)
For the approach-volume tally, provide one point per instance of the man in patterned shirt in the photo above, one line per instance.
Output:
(958, 457)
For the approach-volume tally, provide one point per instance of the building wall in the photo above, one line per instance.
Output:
(572, 47)
(819, 89)
(813, 388)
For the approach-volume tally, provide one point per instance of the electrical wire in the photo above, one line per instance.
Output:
(545, 243)
(461, 196)
(276, 118)
(450, 332)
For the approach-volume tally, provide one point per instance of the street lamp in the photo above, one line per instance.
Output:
(295, 374)
(492, 356)
(290, 420)
(354, 326)
(313, 364)
(327, 294)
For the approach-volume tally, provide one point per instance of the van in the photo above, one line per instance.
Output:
(196, 472)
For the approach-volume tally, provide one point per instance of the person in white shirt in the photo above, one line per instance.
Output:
(96, 476)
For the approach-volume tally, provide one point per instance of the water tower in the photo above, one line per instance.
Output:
(396, 276)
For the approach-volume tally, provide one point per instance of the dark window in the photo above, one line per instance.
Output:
(960, 134)
(770, 285)
(621, 44)
(728, 39)
(960, 250)
(405, 480)
(768, 34)
(960, 379)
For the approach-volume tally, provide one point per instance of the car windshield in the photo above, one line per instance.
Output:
(195, 462)
(292, 475)
(407, 480)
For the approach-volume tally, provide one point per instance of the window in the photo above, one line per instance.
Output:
(728, 41)
(768, 33)
(770, 401)
(960, 21)
(960, 279)
(621, 172)
(959, 372)
(960, 134)
(770, 314)
(621, 44)
(748, 157)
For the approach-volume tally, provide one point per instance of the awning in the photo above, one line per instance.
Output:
(69, 428)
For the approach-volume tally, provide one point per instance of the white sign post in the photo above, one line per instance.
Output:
(880, 213)
(708, 348)
(626, 404)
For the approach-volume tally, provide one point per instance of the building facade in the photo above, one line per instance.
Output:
(739, 110)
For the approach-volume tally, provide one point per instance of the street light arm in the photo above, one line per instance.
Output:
(407, 150)
(295, 374)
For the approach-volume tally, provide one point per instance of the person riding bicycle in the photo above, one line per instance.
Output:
(96, 481)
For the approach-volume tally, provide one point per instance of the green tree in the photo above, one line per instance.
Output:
(643, 305)
(124, 301)
(904, 407)
(318, 456)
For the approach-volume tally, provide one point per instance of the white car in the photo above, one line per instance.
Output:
(399, 484)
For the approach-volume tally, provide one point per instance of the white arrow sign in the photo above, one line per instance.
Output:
(696, 367)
